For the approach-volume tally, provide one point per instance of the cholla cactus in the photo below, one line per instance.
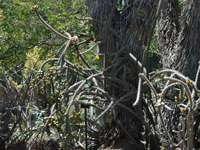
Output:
(177, 126)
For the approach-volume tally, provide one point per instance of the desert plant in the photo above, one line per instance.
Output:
(182, 135)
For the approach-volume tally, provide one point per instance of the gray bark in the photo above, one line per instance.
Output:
(188, 51)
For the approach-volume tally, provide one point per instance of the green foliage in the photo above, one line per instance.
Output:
(162, 147)
(181, 4)
(21, 30)
(26, 42)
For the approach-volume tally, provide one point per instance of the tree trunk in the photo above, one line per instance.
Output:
(124, 28)
(188, 54)
(168, 28)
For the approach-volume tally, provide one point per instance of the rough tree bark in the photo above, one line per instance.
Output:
(188, 54)
(124, 27)
(168, 28)
(178, 38)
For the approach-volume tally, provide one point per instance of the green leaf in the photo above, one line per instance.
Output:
(162, 147)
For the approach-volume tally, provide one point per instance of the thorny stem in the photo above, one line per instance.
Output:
(197, 76)
(52, 29)
(190, 129)
(163, 124)
(138, 92)
(138, 62)
(168, 87)
(82, 83)
(123, 97)
(149, 84)
(104, 112)
(190, 120)
(186, 88)
(89, 48)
